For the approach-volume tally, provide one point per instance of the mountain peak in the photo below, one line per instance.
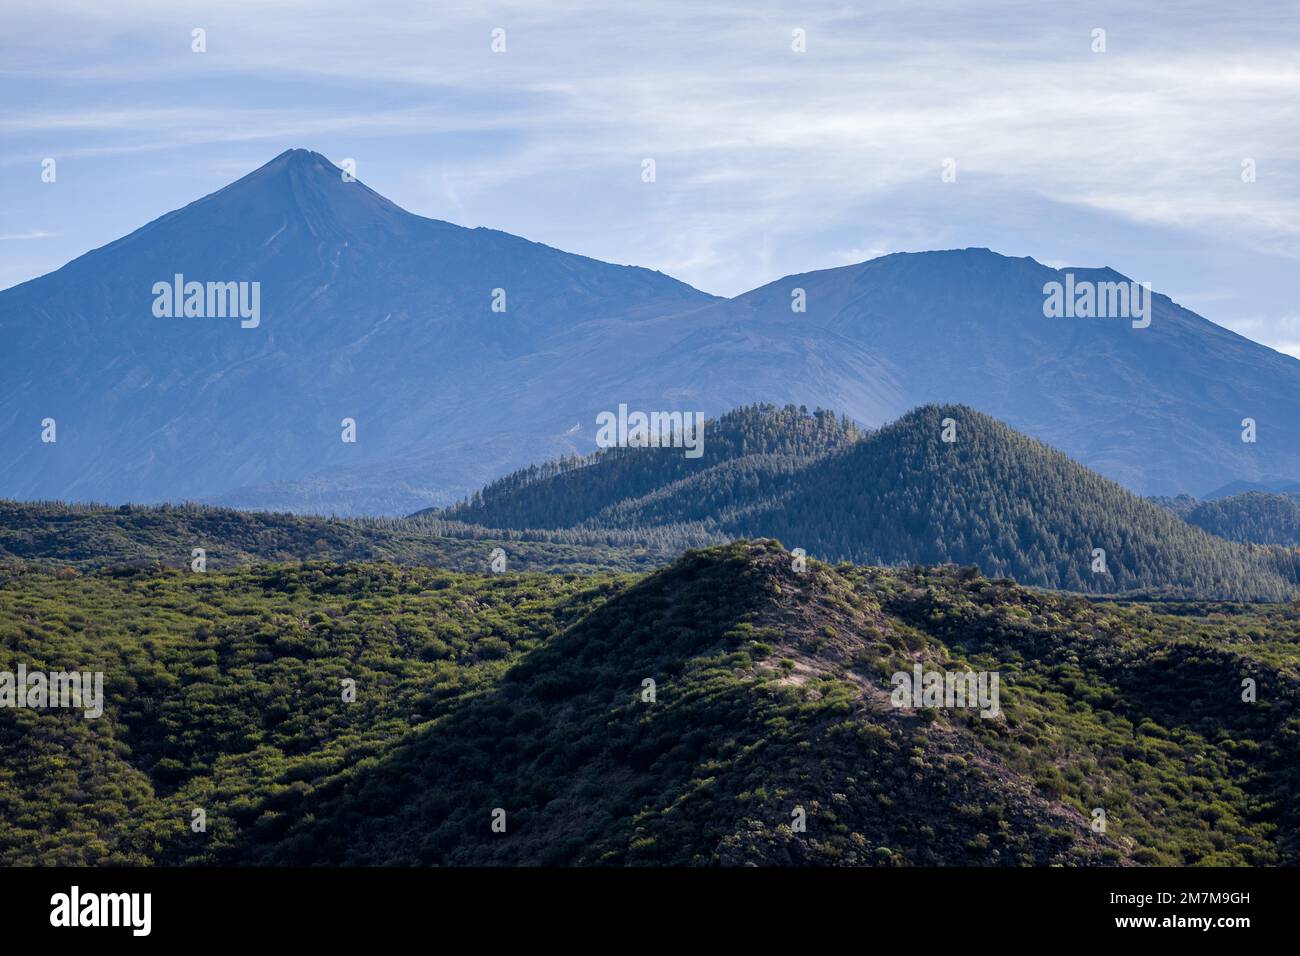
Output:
(300, 159)
(299, 154)
(300, 164)
(303, 187)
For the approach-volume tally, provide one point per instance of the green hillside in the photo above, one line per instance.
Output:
(903, 495)
(1255, 516)
(524, 692)
(759, 441)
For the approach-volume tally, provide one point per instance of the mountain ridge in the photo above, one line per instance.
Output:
(374, 313)
(325, 341)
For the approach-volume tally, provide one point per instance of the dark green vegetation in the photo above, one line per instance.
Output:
(84, 537)
(745, 451)
(898, 496)
(901, 495)
(1259, 517)
(524, 692)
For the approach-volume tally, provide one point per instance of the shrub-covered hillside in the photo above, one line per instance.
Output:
(526, 693)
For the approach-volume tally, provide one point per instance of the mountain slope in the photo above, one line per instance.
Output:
(991, 497)
(371, 313)
(1255, 516)
(1158, 409)
(572, 491)
(367, 312)
(525, 693)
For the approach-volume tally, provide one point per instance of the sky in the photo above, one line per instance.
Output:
(768, 160)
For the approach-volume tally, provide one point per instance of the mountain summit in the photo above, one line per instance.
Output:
(1160, 408)
(367, 312)
(458, 354)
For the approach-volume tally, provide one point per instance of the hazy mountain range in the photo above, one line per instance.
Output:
(371, 313)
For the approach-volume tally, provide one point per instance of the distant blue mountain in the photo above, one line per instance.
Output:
(1158, 409)
(372, 313)
(367, 312)
(1280, 486)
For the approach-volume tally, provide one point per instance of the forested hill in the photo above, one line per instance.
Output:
(1256, 516)
(902, 495)
(1011, 505)
(569, 491)
(135, 538)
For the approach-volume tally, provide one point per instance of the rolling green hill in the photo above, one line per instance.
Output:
(526, 693)
(900, 495)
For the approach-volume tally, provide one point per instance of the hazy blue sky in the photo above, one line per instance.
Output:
(769, 161)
